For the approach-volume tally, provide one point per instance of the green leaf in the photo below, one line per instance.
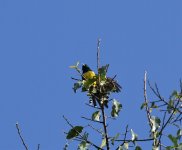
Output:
(117, 106)
(96, 116)
(153, 105)
(169, 148)
(155, 123)
(103, 144)
(77, 85)
(143, 105)
(124, 147)
(74, 132)
(134, 136)
(83, 146)
(174, 94)
(173, 139)
(138, 148)
(74, 66)
(179, 147)
(170, 106)
(179, 134)
(103, 71)
(114, 138)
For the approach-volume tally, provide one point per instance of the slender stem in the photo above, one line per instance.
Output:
(19, 133)
(139, 140)
(146, 101)
(98, 54)
(105, 127)
(91, 119)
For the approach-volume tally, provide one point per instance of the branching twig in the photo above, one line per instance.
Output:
(19, 133)
(81, 136)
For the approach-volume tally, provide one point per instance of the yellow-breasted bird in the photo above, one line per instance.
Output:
(100, 90)
(87, 73)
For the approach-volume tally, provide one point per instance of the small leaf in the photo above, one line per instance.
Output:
(179, 134)
(103, 71)
(173, 139)
(83, 146)
(170, 106)
(174, 94)
(153, 105)
(117, 106)
(77, 85)
(103, 144)
(134, 136)
(114, 138)
(155, 123)
(143, 105)
(74, 66)
(124, 147)
(96, 116)
(138, 148)
(74, 132)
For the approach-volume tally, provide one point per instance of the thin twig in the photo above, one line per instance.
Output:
(97, 130)
(91, 119)
(19, 133)
(76, 79)
(92, 106)
(98, 54)
(146, 100)
(137, 140)
(169, 119)
(38, 147)
(125, 134)
(163, 121)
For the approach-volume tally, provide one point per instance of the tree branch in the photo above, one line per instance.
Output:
(19, 133)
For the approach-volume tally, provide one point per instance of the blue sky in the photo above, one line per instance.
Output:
(40, 39)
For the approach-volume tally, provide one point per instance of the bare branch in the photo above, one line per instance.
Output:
(146, 100)
(98, 54)
(19, 133)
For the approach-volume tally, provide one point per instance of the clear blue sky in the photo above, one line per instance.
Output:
(39, 39)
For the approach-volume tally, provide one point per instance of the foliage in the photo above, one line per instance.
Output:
(161, 114)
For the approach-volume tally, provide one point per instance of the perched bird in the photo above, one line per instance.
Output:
(102, 89)
(87, 73)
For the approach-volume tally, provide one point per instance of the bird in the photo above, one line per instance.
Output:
(101, 90)
(87, 73)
